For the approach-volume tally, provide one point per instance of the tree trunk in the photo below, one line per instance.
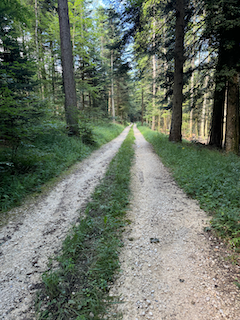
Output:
(67, 66)
(154, 92)
(232, 120)
(36, 25)
(118, 97)
(154, 71)
(109, 102)
(204, 108)
(216, 134)
(142, 106)
(191, 124)
(112, 88)
(52, 70)
(176, 123)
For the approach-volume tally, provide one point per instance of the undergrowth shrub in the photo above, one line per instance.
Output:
(76, 285)
(211, 177)
(50, 153)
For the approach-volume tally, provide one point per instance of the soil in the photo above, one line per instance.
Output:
(37, 229)
(170, 267)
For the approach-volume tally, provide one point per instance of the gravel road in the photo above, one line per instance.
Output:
(183, 276)
(37, 230)
(171, 269)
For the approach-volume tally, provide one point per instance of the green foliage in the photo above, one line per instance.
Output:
(88, 261)
(105, 133)
(209, 176)
(49, 153)
(20, 109)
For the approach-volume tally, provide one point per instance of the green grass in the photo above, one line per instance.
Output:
(103, 134)
(48, 155)
(77, 288)
(211, 177)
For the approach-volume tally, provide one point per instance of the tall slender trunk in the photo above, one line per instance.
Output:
(36, 44)
(216, 133)
(159, 120)
(67, 67)
(192, 99)
(154, 92)
(204, 108)
(52, 70)
(232, 120)
(73, 30)
(176, 123)
(118, 97)
(83, 79)
(154, 70)
(112, 88)
(142, 105)
(109, 102)
(191, 124)
(36, 26)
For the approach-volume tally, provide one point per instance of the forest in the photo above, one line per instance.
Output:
(74, 74)
(172, 65)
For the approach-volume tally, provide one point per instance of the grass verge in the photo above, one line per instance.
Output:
(49, 155)
(77, 282)
(211, 177)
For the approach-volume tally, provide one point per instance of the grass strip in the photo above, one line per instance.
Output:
(211, 177)
(77, 282)
(48, 156)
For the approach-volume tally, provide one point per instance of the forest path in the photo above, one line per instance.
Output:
(38, 229)
(177, 277)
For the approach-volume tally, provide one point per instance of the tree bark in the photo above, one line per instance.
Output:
(232, 120)
(142, 106)
(176, 123)
(71, 113)
(216, 133)
(112, 88)
(118, 96)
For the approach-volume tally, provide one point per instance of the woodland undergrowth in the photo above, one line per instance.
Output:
(50, 153)
(76, 285)
(210, 176)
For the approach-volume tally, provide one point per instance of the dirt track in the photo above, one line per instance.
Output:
(179, 277)
(37, 233)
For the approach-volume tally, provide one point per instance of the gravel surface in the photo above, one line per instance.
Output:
(171, 269)
(184, 275)
(38, 228)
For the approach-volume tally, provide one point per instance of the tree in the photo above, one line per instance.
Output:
(20, 108)
(222, 28)
(176, 124)
(71, 112)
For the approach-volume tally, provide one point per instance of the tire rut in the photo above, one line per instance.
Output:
(37, 230)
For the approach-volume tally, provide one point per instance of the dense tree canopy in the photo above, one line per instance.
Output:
(171, 64)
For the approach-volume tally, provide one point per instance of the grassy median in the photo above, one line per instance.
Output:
(76, 285)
